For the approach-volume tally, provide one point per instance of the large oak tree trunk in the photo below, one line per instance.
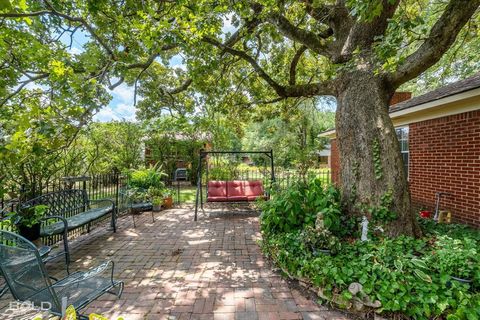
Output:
(370, 159)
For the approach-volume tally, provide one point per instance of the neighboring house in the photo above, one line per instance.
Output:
(439, 135)
(325, 156)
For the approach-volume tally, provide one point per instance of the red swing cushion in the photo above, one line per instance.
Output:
(224, 191)
(235, 191)
(253, 190)
(217, 191)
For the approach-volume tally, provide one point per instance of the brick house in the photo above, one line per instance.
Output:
(439, 136)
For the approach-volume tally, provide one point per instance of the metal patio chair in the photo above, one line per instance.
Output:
(27, 278)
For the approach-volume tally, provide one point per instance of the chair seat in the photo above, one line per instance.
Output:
(75, 221)
(78, 294)
(143, 206)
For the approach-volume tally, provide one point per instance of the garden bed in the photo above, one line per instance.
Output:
(406, 277)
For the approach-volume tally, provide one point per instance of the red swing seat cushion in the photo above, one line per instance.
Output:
(217, 191)
(235, 191)
(253, 190)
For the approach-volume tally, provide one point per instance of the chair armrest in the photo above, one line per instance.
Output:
(80, 276)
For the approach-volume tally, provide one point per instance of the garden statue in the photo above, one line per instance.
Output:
(319, 223)
(364, 229)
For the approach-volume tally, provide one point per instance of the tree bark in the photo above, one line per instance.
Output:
(370, 159)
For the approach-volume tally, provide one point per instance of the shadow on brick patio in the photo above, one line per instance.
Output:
(179, 269)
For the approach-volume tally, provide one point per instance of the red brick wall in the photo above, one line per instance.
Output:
(445, 156)
(335, 162)
(399, 97)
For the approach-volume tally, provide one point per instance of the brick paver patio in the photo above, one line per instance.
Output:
(179, 269)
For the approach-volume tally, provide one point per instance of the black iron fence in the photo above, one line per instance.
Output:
(184, 191)
(285, 178)
(99, 186)
(110, 185)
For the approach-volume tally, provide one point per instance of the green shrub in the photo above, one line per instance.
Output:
(396, 272)
(457, 257)
(408, 276)
(146, 178)
(297, 207)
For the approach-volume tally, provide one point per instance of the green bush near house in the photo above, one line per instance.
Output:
(408, 276)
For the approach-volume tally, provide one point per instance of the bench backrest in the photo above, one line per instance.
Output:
(60, 203)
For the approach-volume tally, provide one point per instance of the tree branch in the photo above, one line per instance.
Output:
(293, 64)
(363, 33)
(258, 69)
(248, 27)
(20, 87)
(319, 13)
(54, 12)
(441, 37)
(248, 104)
(310, 89)
(184, 86)
(311, 40)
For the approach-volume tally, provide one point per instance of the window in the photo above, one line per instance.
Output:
(402, 135)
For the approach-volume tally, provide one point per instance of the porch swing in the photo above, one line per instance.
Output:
(230, 186)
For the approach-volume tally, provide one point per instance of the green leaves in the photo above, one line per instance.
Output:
(422, 275)
(298, 206)
(404, 274)
(377, 159)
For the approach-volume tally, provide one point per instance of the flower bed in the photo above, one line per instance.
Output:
(412, 277)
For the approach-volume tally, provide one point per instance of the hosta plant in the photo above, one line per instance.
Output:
(457, 257)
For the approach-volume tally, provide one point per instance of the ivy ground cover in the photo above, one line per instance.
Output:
(307, 236)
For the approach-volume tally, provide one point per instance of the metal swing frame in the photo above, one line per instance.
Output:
(204, 154)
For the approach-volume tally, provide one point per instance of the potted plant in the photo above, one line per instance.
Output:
(157, 204)
(167, 198)
(320, 241)
(457, 258)
(27, 221)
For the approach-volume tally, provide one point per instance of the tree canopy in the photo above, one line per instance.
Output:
(273, 56)
(273, 49)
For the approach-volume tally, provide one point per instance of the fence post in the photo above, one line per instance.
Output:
(117, 191)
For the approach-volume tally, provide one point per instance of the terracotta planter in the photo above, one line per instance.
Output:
(30, 233)
(168, 202)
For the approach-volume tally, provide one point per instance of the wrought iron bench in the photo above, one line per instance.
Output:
(71, 209)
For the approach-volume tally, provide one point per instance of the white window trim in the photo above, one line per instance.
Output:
(408, 140)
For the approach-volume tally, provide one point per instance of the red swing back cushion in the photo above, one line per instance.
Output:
(217, 191)
(253, 190)
(235, 191)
